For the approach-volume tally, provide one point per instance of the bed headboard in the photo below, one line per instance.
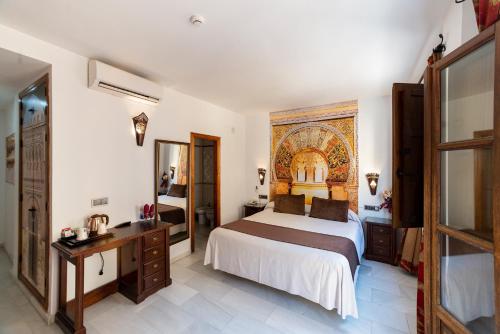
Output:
(332, 190)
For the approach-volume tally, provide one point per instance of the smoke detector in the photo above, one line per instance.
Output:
(197, 20)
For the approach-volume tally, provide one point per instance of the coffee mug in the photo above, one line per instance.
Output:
(82, 233)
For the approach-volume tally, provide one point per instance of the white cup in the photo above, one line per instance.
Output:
(82, 233)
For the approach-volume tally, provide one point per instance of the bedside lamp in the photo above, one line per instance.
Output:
(262, 175)
(140, 125)
(373, 182)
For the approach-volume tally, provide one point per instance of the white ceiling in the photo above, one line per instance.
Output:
(259, 55)
(16, 72)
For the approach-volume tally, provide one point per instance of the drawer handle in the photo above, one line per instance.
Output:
(155, 265)
(381, 230)
(381, 241)
(155, 252)
(155, 280)
(155, 239)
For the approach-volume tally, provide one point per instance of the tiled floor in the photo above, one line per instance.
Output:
(202, 300)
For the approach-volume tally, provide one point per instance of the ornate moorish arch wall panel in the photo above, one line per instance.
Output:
(312, 145)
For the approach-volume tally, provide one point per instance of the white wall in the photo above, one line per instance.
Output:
(374, 149)
(457, 26)
(9, 195)
(94, 152)
(258, 150)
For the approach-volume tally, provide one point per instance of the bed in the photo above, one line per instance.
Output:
(173, 210)
(321, 276)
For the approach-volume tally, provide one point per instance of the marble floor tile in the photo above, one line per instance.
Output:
(394, 301)
(292, 323)
(246, 325)
(205, 301)
(247, 304)
(207, 311)
(208, 286)
(166, 317)
(383, 315)
(181, 273)
(177, 293)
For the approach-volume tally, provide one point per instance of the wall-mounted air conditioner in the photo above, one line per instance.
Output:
(114, 81)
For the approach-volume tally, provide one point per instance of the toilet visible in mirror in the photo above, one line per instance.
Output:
(171, 187)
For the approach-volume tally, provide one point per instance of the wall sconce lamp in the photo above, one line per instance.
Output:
(262, 175)
(373, 182)
(140, 125)
(172, 172)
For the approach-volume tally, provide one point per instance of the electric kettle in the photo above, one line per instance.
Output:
(94, 222)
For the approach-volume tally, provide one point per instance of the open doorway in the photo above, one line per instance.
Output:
(205, 187)
(25, 170)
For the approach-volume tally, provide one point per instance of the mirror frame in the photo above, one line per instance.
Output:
(158, 142)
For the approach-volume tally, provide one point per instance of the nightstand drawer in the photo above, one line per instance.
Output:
(154, 253)
(381, 251)
(381, 230)
(381, 240)
(154, 239)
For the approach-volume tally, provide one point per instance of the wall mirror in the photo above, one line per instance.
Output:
(171, 187)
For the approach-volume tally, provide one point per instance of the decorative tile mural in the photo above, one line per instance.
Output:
(312, 145)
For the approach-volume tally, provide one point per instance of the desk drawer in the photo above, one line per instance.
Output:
(154, 280)
(154, 266)
(154, 253)
(154, 239)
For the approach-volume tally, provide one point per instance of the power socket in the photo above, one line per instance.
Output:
(372, 207)
(99, 202)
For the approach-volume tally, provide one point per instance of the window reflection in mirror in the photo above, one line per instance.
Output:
(172, 178)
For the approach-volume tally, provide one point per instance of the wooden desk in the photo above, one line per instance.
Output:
(143, 269)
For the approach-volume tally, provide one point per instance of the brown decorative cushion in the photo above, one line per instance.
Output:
(293, 204)
(177, 190)
(330, 209)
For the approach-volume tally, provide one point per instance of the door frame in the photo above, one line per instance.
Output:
(192, 176)
(43, 300)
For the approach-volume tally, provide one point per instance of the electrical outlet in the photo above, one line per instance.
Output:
(99, 202)
(372, 207)
(262, 196)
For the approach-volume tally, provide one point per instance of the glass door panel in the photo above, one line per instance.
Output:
(467, 95)
(466, 191)
(467, 284)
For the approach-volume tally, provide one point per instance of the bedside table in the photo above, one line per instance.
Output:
(251, 209)
(381, 240)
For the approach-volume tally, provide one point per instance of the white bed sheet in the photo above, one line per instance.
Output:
(467, 286)
(173, 201)
(321, 276)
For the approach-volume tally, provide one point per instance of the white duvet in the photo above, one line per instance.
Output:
(173, 201)
(321, 276)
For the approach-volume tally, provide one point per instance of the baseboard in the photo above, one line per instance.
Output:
(180, 256)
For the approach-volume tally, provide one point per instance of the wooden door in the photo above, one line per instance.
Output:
(408, 148)
(34, 224)
(462, 232)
